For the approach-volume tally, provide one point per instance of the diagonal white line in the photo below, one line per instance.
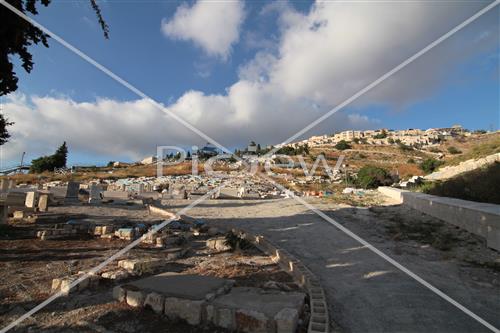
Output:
(384, 256)
(114, 76)
(388, 74)
(118, 254)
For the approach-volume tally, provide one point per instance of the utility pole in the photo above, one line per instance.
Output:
(22, 159)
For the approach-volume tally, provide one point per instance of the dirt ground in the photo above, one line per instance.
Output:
(28, 266)
(364, 292)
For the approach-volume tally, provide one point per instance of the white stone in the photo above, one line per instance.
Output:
(155, 301)
(189, 310)
(135, 298)
(286, 320)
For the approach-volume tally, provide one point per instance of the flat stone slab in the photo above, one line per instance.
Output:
(259, 300)
(193, 287)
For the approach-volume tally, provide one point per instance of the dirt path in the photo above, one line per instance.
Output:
(365, 293)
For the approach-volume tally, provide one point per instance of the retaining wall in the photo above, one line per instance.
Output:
(481, 219)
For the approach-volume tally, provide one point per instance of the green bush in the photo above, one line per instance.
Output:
(343, 145)
(372, 177)
(430, 164)
(453, 150)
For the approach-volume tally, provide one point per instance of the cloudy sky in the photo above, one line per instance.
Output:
(241, 71)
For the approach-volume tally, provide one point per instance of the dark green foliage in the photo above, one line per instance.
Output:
(287, 150)
(17, 35)
(453, 150)
(381, 135)
(430, 164)
(372, 177)
(4, 134)
(49, 163)
(343, 145)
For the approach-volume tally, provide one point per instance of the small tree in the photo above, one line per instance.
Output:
(372, 177)
(453, 150)
(342, 145)
(60, 156)
(381, 135)
(430, 164)
(4, 134)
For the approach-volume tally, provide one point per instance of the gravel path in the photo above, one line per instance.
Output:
(365, 293)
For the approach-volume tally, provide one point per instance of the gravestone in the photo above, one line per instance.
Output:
(72, 192)
(43, 203)
(30, 201)
(94, 193)
(12, 184)
(4, 185)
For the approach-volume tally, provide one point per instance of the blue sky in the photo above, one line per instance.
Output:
(244, 71)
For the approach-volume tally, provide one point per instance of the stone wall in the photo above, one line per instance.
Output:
(481, 219)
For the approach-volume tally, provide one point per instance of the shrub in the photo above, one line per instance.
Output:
(411, 161)
(372, 177)
(381, 135)
(453, 150)
(236, 242)
(478, 185)
(430, 164)
(342, 145)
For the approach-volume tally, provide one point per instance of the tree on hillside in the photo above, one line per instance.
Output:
(372, 177)
(430, 165)
(4, 134)
(49, 163)
(342, 145)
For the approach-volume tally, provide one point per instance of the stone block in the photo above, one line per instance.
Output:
(119, 293)
(31, 198)
(225, 318)
(43, 203)
(286, 320)
(252, 321)
(135, 297)
(19, 214)
(189, 310)
(156, 302)
(218, 244)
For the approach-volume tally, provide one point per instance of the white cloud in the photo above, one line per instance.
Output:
(322, 57)
(213, 26)
(133, 129)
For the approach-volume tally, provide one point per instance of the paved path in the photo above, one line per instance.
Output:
(365, 293)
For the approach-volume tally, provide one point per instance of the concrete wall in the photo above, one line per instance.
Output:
(481, 219)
